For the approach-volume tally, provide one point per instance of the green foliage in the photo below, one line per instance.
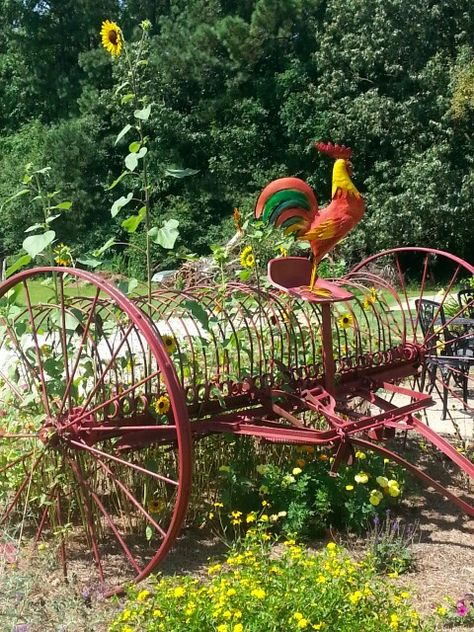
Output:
(238, 91)
(257, 588)
(310, 497)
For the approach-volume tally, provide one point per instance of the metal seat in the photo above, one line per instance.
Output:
(452, 354)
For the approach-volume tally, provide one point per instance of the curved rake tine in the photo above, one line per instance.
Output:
(113, 399)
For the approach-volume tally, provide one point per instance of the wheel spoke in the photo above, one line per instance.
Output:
(19, 491)
(90, 522)
(100, 380)
(138, 468)
(132, 499)
(37, 350)
(112, 525)
(79, 351)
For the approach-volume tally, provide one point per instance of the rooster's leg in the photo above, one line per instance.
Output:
(313, 276)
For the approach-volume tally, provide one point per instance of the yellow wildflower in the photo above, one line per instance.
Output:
(355, 597)
(362, 478)
(349, 488)
(382, 481)
(238, 627)
(442, 611)
(375, 497)
(143, 595)
(394, 621)
(179, 592)
(296, 471)
(331, 546)
(258, 593)
(360, 455)
(302, 624)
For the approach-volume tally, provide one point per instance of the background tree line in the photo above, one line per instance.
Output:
(240, 89)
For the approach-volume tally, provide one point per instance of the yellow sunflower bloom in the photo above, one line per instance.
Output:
(162, 405)
(112, 38)
(247, 258)
(170, 344)
(156, 506)
(345, 321)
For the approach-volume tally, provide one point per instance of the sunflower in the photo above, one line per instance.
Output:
(112, 38)
(155, 506)
(247, 258)
(345, 321)
(170, 344)
(162, 405)
(63, 255)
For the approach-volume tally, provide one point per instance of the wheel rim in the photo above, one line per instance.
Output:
(95, 437)
(427, 282)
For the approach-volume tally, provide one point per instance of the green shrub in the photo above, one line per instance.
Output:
(312, 498)
(262, 588)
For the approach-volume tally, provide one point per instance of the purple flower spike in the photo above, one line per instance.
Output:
(461, 609)
(21, 627)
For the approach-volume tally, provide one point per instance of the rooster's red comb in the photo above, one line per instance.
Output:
(335, 151)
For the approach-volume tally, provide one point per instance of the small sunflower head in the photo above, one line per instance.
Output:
(247, 258)
(63, 255)
(112, 38)
(345, 321)
(170, 344)
(162, 405)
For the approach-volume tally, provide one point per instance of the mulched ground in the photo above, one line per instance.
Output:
(31, 591)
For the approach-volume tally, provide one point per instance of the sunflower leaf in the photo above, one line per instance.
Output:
(35, 244)
(181, 173)
(118, 180)
(122, 132)
(131, 161)
(165, 236)
(143, 114)
(120, 203)
(198, 311)
(19, 263)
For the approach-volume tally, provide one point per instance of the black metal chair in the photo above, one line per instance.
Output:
(466, 302)
(452, 354)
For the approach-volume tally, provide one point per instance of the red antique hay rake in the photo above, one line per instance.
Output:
(109, 393)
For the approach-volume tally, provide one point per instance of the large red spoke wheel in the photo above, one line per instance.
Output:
(434, 307)
(95, 441)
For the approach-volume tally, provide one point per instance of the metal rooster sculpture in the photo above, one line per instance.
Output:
(291, 204)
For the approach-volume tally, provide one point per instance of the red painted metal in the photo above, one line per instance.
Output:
(270, 355)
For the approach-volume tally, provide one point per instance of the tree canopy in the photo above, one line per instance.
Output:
(240, 90)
